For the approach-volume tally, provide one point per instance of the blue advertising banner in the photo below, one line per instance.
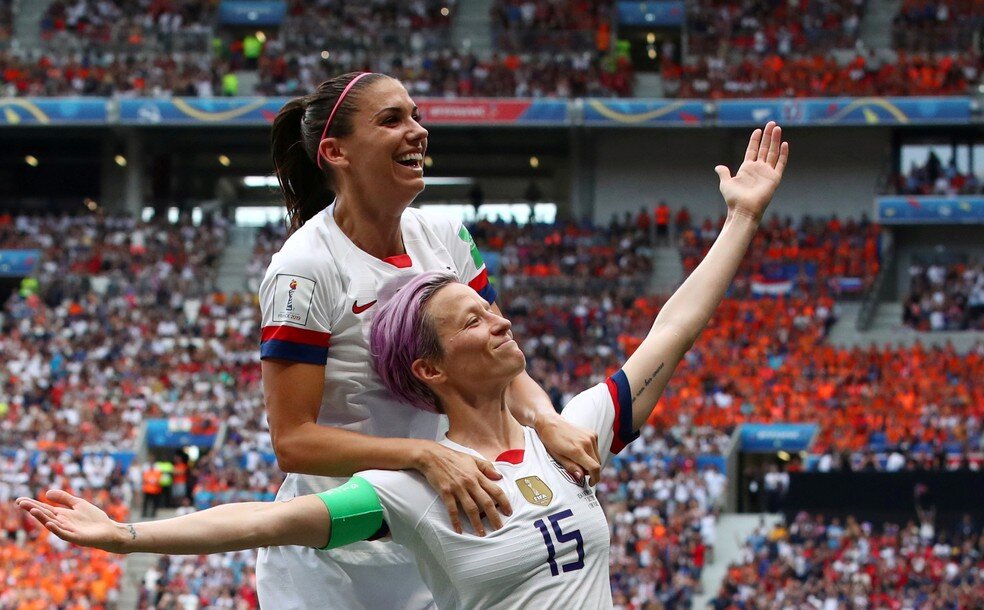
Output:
(179, 432)
(846, 111)
(643, 112)
(665, 13)
(911, 209)
(259, 111)
(15, 111)
(18, 263)
(766, 438)
(197, 111)
(252, 12)
(262, 111)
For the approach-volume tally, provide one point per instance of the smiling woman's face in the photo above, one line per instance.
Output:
(383, 157)
(476, 343)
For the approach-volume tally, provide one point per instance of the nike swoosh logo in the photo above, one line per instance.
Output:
(357, 309)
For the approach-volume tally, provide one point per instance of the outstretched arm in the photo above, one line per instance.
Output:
(230, 527)
(685, 315)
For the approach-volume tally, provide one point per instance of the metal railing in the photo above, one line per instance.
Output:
(874, 297)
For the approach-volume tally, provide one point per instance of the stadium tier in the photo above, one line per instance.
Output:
(786, 374)
(701, 49)
(820, 445)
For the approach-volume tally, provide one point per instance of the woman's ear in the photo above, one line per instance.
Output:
(428, 372)
(333, 153)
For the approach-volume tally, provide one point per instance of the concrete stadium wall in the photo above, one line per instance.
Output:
(830, 170)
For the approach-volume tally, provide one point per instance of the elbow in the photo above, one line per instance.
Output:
(680, 335)
(289, 456)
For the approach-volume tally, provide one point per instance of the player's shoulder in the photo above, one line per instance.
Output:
(440, 223)
(387, 482)
(593, 397)
(404, 494)
(307, 253)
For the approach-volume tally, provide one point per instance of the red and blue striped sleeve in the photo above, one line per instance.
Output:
(481, 284)
(618, 389)
(294, 344)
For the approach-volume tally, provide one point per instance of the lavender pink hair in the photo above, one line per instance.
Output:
(401, 333)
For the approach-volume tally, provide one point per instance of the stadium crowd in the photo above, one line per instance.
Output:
(807, 256)
(935, 178)
(822, 75)
(816, 562)
(717, 27)
(125, 324)
(937, 25)
(540, 48)
(663, 506)
(565, 25)
(120, 25)
(945, 297)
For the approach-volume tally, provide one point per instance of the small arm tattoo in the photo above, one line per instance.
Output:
(649, 380)
(133, 530)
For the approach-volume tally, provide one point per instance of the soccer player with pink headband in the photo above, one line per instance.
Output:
(439, 347)
(350, 160)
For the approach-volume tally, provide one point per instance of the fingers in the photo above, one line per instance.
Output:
(751, 153)
(62, 497)
(724, 174)
(783, 158)
(36, 509)
(451, 503)
(499, 500)
(488, 470)
(472, 512)
(765, 143)
(773, 155)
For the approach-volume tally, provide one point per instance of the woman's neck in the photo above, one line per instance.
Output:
(372, 230)
(483, 424)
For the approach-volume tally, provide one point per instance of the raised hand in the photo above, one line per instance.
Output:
(74, 520)
(750, 190)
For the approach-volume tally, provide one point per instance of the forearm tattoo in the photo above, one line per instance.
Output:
(649, 380)
(133, 530)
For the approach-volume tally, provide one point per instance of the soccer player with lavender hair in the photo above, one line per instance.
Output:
(440, 347)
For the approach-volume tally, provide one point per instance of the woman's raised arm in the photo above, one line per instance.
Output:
(687, 312)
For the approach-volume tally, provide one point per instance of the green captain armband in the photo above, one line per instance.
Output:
(356, 513)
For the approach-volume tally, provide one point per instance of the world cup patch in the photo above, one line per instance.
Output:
(535, 490)
(292, 298)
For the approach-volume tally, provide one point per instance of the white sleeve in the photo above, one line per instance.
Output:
(295, 305)
(607, 409)
(406, 497)
(467, 259)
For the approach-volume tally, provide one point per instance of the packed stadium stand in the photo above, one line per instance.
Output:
(536, 49)
(829, 563)
(140, 298)
(126, 329)
(945, 298)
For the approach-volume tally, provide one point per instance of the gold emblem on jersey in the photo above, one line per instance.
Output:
(535, 490)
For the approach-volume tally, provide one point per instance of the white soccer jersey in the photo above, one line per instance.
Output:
(316, 300)
(552, 552)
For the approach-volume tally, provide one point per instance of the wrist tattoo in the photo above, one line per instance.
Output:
(133, 530)
(649, 380)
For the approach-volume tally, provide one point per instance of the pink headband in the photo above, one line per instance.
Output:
(338, 103)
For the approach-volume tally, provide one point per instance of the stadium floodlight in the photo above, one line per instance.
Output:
(260, 181)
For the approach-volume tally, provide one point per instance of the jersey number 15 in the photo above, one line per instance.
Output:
(562, 537)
